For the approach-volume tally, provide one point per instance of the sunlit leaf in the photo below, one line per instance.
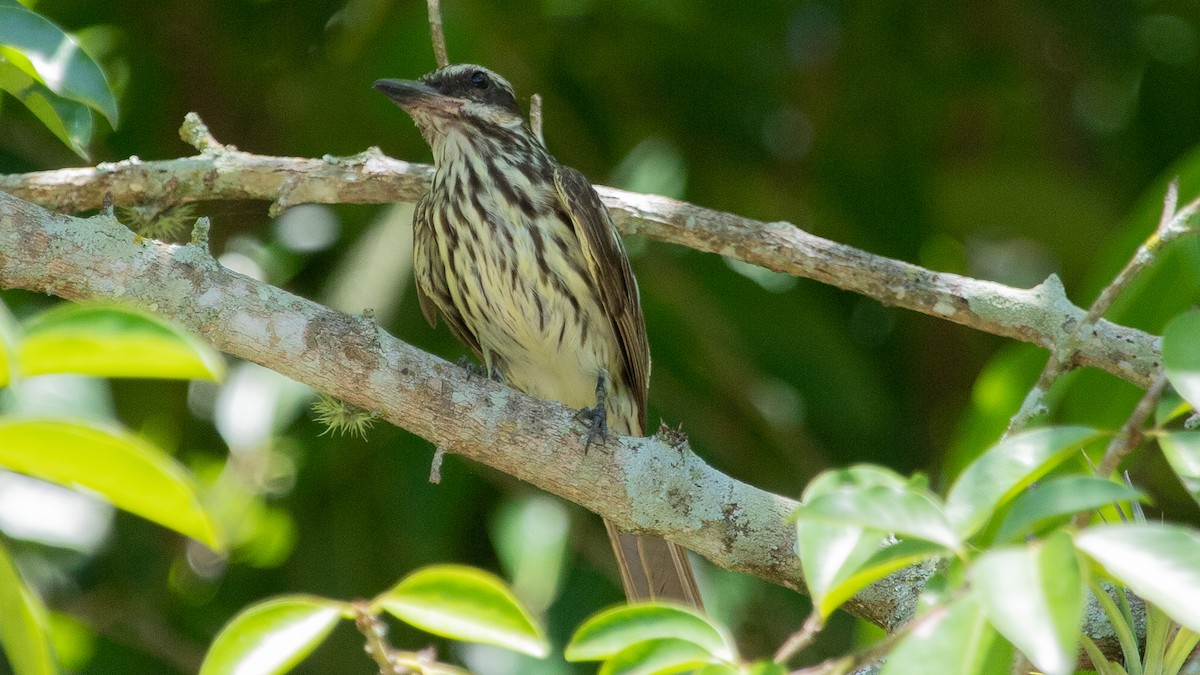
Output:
(1061, 497)
(126, 470)
(903, 511)
(464, 603)
(272, 637)
(113, 341)
(858, 476)
(1181, 358)
(884, 561)
(1182, 450)
(1035, 596)
(657, 657)
(1157, 562)
(1006, 469)
(59, 61)
(71, 122)
(23, 626)
(828, 554)
(616, 629)
(954, 641)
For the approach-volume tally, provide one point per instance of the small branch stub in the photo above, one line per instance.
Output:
(195, 133)
(435, 468)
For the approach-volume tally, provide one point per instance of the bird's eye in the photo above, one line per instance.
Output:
(479, 80)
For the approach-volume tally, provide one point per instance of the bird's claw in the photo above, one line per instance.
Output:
(596, 422)
(595, 419)
(475, 370)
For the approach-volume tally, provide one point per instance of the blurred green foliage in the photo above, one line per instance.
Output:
(1000, 140)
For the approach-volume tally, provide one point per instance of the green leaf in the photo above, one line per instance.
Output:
(657, 657)
(112, 341)
(59, 61)
(828, 555)
(126, 470)
(904, 511)
(1182, 450)
(1158, 562)
(1100, 662)
(859, 476)
(1007, 468)
(23, 627)
(953, 642)
(272, 637)
(1061, 497)
(884, 561)
(1035, 597)
(71, 122)
(613, 630)
(1181, 358)
(464, 603)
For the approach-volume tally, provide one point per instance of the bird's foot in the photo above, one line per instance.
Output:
(596, 422)
(595, 419)
(475, 370)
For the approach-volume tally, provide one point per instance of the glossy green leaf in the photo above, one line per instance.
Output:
(955, 641)
(828, 555)
(126, 470)
(1059, 498)
(616, 629)
(1003, 471)
(859, 476)
(24, 633)
(904, 511)
(1182, 450)
(272, 637)
(60, 63)
(657, 657)
(1160, 563)
(464, 603)
(1181, 357)
(112, 341)
(884, 561)
(71, 122)
(1035, 596)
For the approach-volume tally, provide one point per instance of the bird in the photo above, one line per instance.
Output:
(519, 257)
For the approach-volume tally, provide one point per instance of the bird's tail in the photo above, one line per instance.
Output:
(653, 568)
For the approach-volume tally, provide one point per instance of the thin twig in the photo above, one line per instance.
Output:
(436, 34)
(1129, 437)
(1041, 315)
(1171, 225)
(877, 650)
(800, 639)
(375, 632)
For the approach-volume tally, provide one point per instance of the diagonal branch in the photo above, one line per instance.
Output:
(641, 484)
(1042, 315)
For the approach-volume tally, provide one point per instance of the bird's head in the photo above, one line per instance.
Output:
(451, 96)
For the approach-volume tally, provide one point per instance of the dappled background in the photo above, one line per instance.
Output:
(1005, 141)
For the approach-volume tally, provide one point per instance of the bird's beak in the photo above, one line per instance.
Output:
(411, 94)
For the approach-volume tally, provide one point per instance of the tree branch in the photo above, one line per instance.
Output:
(1041, 315)
(641, 484)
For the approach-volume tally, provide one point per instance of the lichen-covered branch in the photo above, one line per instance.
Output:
(1042, 315)
(641, 484)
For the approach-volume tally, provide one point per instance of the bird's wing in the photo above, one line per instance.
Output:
(430, 271)
(611, 275)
